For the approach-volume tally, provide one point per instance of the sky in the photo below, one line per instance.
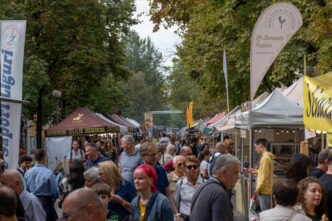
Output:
(164, 40)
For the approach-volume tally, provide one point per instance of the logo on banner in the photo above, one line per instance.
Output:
(10, 37)
(78, 117)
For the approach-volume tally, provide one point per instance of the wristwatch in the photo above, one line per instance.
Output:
(178, 214)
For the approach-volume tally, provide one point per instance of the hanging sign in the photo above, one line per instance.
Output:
(273, 29)
(148, 119)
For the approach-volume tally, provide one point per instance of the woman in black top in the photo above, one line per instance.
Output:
(312, 198)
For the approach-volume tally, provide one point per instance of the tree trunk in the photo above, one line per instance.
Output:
(39, 119)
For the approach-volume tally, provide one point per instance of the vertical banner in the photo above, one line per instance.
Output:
(148, 116)
(317, 100)
(190, 110)
(274, 27)
(12, 51)
(329, 140)
(58, 149)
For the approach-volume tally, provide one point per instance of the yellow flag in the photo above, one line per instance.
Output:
(317, 99)
(187, 116)
(191, 121)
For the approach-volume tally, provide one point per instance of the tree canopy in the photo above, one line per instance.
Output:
(145, 90)
(74, 47)
(208, 27)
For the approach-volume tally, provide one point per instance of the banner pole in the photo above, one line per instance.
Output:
(305, 64)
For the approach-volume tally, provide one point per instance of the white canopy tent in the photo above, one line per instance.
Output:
(276, 110)
(294, 92)
(134, 122)
(227, 122)
(123, 129)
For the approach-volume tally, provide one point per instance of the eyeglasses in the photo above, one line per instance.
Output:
(65, 216)
(192, 166)
(180, 164)
(152, 154)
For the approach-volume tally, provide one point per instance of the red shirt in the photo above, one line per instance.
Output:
(169, 166)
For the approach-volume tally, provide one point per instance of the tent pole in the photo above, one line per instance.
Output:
(235, 143)
(242, 152)
(250, 162)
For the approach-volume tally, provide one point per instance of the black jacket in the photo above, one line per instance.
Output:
(211, 202)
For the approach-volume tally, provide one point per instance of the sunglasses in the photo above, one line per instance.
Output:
(192, 166)
(180, 164)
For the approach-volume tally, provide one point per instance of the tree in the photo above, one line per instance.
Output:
(184, 89)
(146, 88)
(77, 46)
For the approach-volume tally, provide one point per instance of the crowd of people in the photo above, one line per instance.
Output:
(167, 180)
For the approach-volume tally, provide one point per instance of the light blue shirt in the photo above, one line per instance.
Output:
(40, 181)
(128, 163)
(32, 207)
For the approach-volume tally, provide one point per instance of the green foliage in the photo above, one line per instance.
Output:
(214, 26)
(145, 90)
(184, 89)
(74, 47)
(35, 79)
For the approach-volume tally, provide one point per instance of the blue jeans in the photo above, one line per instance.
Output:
(264, 201)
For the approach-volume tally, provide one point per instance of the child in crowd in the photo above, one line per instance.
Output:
(103, 190)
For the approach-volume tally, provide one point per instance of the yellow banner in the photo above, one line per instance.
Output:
(329, 140)
(317, 98)
(189, 114)
(191, 121)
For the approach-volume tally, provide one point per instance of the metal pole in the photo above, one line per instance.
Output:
(57, 110)
(249, 193)
(235, 143)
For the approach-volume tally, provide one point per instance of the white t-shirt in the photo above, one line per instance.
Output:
(79, 155)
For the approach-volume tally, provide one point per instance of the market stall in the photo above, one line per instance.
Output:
(122, 121)
(276, 119)
(80, 123)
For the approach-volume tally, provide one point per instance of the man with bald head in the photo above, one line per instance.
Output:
(185, 151)
(219, 150)
(84, 205)
(32, 206)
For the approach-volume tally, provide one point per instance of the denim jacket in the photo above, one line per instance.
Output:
(158, 208)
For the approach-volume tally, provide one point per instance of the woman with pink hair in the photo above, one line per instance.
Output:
(149, 205)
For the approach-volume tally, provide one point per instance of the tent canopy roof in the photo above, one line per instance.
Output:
(123, 129)
(122, 121)
(81, 122)
(276, 110)
(295, 92)
(216, 118)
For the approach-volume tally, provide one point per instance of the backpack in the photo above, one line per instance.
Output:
(212, 161)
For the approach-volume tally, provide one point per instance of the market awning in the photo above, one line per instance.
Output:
(123, 129)
(276, 110)
(216, 118)
(295, 92)
(81, 122)
(120, 120)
